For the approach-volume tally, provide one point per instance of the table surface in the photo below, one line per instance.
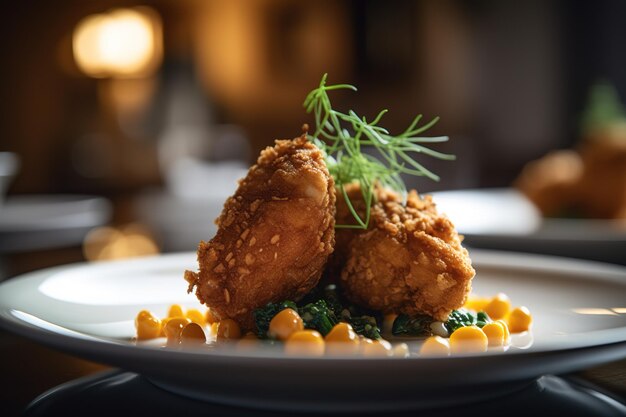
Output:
(117, 392)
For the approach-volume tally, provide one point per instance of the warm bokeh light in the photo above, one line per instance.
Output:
(106, 243)
(244, 60)
(120, 43)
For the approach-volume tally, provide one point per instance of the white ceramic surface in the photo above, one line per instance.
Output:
(489, 211)
(502, 218)
(88, 310)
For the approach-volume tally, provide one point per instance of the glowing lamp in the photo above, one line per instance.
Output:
(122, 43)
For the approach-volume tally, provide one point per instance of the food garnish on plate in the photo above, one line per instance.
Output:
(323, 249)
(589, 180)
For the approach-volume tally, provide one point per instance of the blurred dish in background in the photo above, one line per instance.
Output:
(200, 163)
(34, 222)
(589, 181)
(183, 214)
(503, 212)
(9, 165)
(505, 219)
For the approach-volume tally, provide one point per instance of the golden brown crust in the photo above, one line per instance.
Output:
(409, 261)
(274, 234)
(343, 236)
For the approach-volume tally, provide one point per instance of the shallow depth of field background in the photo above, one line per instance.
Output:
(129, 100)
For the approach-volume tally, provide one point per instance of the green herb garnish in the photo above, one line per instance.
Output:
(604, 108)
(343, 136)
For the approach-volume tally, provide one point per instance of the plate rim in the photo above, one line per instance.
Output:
(591, 271)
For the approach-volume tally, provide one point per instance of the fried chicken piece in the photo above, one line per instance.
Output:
(589, 181)
(409, 261)
(602, 187)
(551, 182)
(274, 235)
(344, 217)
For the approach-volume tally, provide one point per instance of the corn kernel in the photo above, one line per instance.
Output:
(401, 350)
(468, 339)
(435, 346)
(163, 324)
(285, 323)
(174, 328)
(148, 326)
(520, 320)
(175, 310)
(498, 307)
(507, 333)
(476, 303)
(376, 348)
(228, 329)
(342, 340)
(192, 334)
(196, 316)
(305, 342)
(495, 333)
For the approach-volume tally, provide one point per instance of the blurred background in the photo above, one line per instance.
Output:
(138, 117)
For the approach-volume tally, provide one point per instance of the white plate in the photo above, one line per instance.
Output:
(502, 218)
(88, 310)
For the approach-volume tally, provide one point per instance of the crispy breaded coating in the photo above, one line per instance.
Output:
(274, 235)
(344, 217)
(409, 261)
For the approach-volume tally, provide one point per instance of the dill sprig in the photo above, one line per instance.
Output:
(343, 136)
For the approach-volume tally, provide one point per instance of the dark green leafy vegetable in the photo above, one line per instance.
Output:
(320, 310)
(364, 322)
(333, 300)
(482, 318)
(365, 326)
(418, 325)
(263, 316)
(462, 317)
(318, 316)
